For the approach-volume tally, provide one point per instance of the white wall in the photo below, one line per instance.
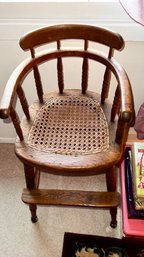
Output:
(19, 17)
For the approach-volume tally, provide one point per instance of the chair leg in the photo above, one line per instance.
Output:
(111, 181)
(34, 217)
(30, 177)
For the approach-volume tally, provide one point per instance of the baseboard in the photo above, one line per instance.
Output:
(7, 140)
(18, 17)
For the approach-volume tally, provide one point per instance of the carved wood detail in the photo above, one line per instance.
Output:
(116, 104)
(37, 78)
(85, 68)
(23, 101)
(106, 81)
(16, 122)
(60, 71)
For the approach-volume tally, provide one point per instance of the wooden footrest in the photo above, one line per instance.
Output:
(71, 198)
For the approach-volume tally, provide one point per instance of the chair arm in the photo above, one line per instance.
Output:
(13, 83)
(127, 112)
(125, 107)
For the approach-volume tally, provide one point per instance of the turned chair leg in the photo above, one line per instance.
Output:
(30, 177)
(113, 213)
(111, 181)
(33, 209)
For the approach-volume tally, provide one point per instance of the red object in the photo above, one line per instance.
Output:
(131, 227)
(135, 9)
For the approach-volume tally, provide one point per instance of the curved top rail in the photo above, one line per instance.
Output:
(54, 33)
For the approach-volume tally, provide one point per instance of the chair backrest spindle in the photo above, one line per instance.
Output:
(37, 79)
(23, 101)
(85, 67)
(116, 104)
(60, 70)
(16, 123)
(107, 79)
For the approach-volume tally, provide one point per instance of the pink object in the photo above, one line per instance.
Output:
(135, 9)
(131, 227)
(139, 123)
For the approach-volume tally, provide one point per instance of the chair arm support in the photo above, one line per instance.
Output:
(14, 81)
(127, 102)
(126, 112)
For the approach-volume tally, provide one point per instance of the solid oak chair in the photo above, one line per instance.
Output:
(72, 132)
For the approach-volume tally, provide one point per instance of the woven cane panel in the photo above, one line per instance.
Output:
(70, 125)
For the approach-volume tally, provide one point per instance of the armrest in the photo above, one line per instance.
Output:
(14, 81)
(123, 104)
(127, 112)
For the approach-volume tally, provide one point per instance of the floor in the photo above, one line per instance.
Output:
(19, 237)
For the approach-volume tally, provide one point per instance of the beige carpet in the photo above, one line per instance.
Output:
(19, 237)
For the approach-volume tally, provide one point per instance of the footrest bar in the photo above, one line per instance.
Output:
(71, 198)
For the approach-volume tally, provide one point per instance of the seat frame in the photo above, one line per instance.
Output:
(119, 118)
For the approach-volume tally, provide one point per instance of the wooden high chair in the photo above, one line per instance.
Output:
(70, 132)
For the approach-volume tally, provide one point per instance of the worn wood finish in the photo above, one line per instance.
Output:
(37, 177)
(60, 71)
(106, 85)
(23, 101)
(107, 79)
(37, 78)
(122, 131)
(30, 177)
(60, 75)
(38, 83)
(16, 123)
(116, 104)
(71, 198)
(71, 31)
(85, 68)
(111, 182)
(36, 160)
